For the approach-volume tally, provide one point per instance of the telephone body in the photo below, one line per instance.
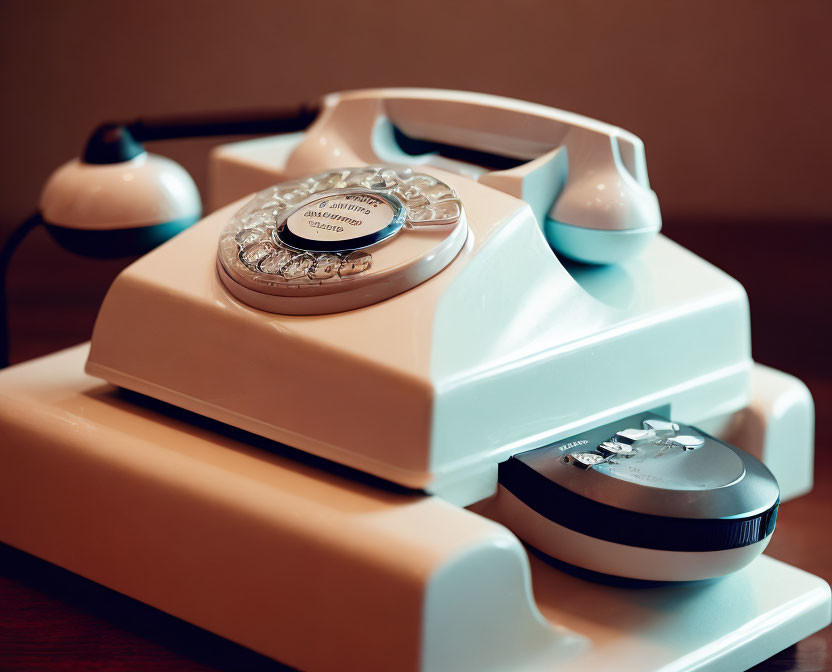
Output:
(507, 348)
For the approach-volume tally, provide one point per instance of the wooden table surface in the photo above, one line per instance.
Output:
(51, 619)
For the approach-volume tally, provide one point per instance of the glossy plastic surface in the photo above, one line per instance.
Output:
(320, 570)
(502, 351)
(147, 190)
(324, 571)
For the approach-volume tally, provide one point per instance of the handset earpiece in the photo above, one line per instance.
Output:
(117, 199)
(606, 212)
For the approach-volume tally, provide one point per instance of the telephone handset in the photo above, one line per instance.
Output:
(585, 180)
(361, 223)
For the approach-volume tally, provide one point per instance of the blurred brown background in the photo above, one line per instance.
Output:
(732, 100)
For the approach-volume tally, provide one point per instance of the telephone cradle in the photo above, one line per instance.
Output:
(289, 426)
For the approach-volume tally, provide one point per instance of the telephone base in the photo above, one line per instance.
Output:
(322, 570)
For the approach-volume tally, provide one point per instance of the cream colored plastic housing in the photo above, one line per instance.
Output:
(504, 350)
(146, 190)
(326, 573)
